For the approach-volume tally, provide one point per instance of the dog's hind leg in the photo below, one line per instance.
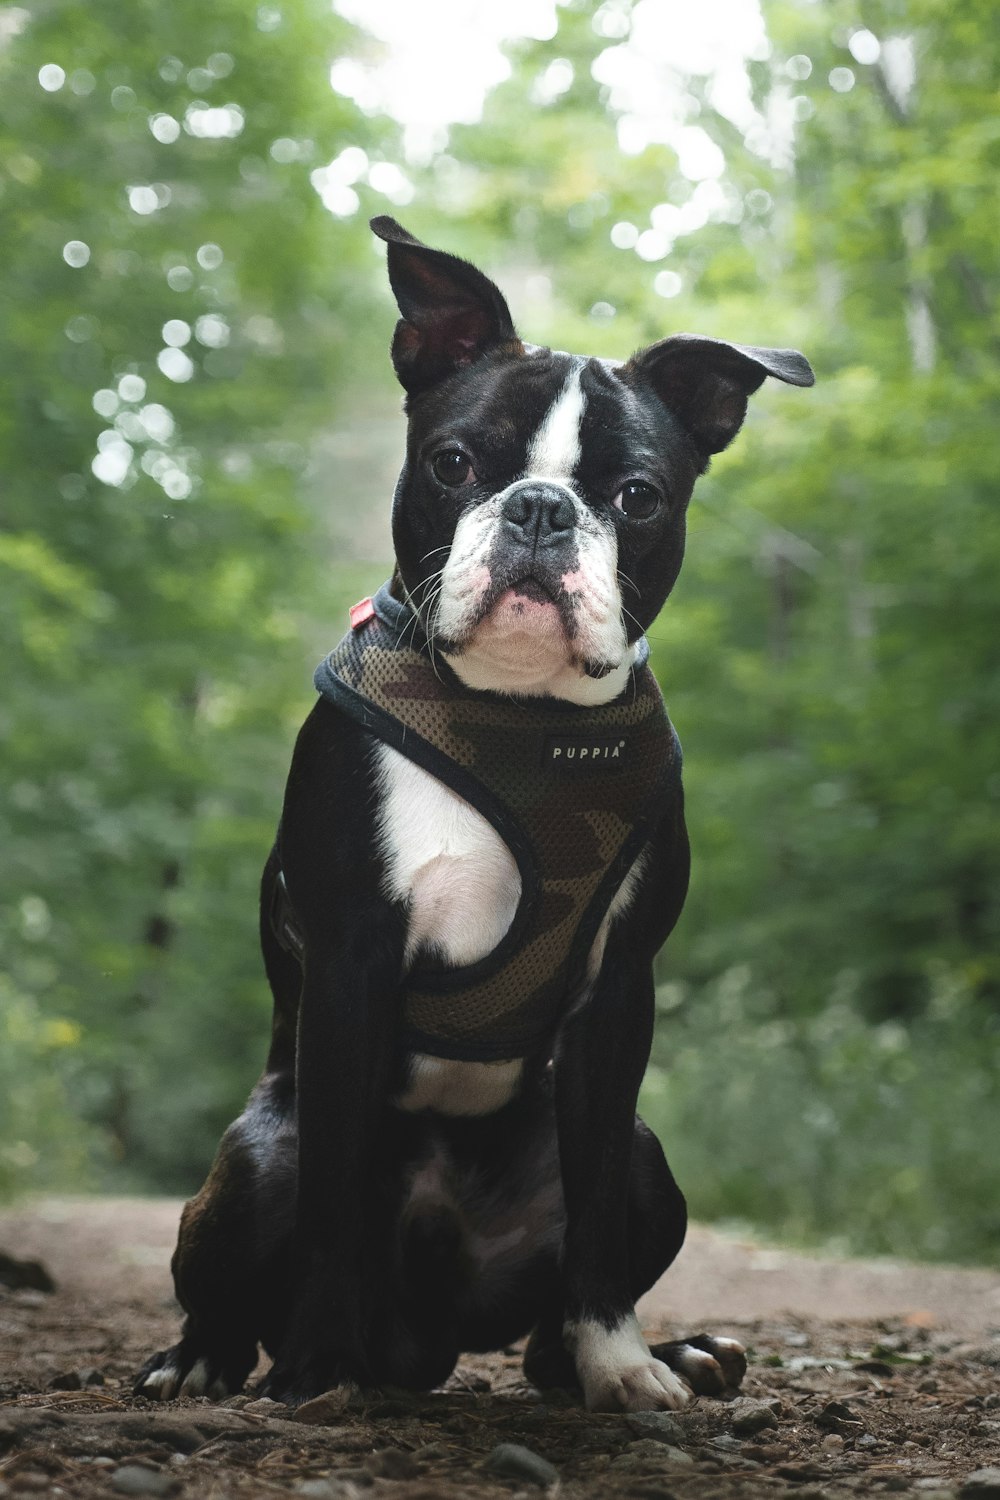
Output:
(233, 1238)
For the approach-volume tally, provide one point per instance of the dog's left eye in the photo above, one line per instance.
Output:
(637, 499)
(452, 467)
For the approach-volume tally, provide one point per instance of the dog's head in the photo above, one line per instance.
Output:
(539, 518)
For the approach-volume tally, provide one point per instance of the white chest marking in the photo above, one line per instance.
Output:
(463, 887)
(460, 879)
(555, 448)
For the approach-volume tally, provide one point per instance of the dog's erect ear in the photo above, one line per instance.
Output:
(706, 383)
(452, 313)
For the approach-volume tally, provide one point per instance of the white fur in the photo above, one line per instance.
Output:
(555, 449)
(465, 576)
(443, 858)
(450, 1087)
(462, 885)
(621, 902)
(617, 1371)
(530, 653)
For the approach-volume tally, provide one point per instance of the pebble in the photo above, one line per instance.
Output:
(984, 1484)
(750, 1416)
(394, 1463)
(324, 1489)
(265, 1407)
(659, 1425)
(136, 1479)
(648, 1450)
(866, 1440)
(513, 1461)
(832, 1443)
(322, 1411)
(725, 1444)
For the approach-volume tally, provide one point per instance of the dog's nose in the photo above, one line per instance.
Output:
(541, 512)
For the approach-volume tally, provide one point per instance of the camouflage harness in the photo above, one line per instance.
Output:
(573, 792)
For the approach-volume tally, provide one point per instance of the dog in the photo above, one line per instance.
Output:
(481, 850)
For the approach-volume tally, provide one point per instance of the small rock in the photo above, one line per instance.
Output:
(979, 1354)
(29, 1275)
(984, 1484)
(649, 1450)
(866, 1440)
(239, 1403)
(836, 1415)
(832, 1443)
(394, 1463)
(750, 1416)
(928, 1385)
(322, 1411)
(725, 1443)
(991, 1402)
(659, 1425)
(265, 1407)
(513, 1461)
(136, 1479)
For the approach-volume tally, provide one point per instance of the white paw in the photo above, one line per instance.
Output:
(161, 1384)
(651, 1386)
(617, 1371)
(198, 1382)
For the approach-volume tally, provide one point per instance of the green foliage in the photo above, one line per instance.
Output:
(830, 655)
(870, 1139)
(159, 551)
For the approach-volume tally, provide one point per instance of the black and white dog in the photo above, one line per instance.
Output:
(482, 848)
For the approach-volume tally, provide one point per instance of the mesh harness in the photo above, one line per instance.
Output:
(573, 792)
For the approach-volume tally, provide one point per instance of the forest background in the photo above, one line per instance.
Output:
(198, 436)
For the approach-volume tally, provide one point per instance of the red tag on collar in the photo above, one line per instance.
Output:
(360, 613)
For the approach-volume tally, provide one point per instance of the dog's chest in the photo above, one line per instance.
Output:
(446, 862)
(462, 887)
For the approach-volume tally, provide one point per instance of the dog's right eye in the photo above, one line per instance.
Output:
(452, 467)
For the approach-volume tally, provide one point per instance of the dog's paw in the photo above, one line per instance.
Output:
(619, 1373)
(185, 1370)
(711, 1366)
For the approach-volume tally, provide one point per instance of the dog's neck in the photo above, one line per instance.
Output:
(522, 668)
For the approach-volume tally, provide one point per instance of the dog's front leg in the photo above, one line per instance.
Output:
(600, 1062)
(346, 1024)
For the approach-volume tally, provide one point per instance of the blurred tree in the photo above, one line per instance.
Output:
(179, 312)
(832, 652)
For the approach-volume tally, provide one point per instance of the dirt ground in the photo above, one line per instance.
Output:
(864, 1377)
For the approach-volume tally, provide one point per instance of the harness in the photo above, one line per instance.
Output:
(573, 792)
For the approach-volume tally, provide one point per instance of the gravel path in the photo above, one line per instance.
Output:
(865, 1376)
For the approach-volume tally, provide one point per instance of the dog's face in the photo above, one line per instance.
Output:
(539, 519)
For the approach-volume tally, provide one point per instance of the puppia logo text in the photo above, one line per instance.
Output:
(601, 752)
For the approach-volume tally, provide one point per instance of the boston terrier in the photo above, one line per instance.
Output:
(482, 849)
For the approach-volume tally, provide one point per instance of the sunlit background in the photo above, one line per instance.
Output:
(200, 432)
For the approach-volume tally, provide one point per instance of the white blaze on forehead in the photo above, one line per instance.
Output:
(555, 449)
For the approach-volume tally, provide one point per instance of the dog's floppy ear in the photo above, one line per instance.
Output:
(706, 382)
(452, 313)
